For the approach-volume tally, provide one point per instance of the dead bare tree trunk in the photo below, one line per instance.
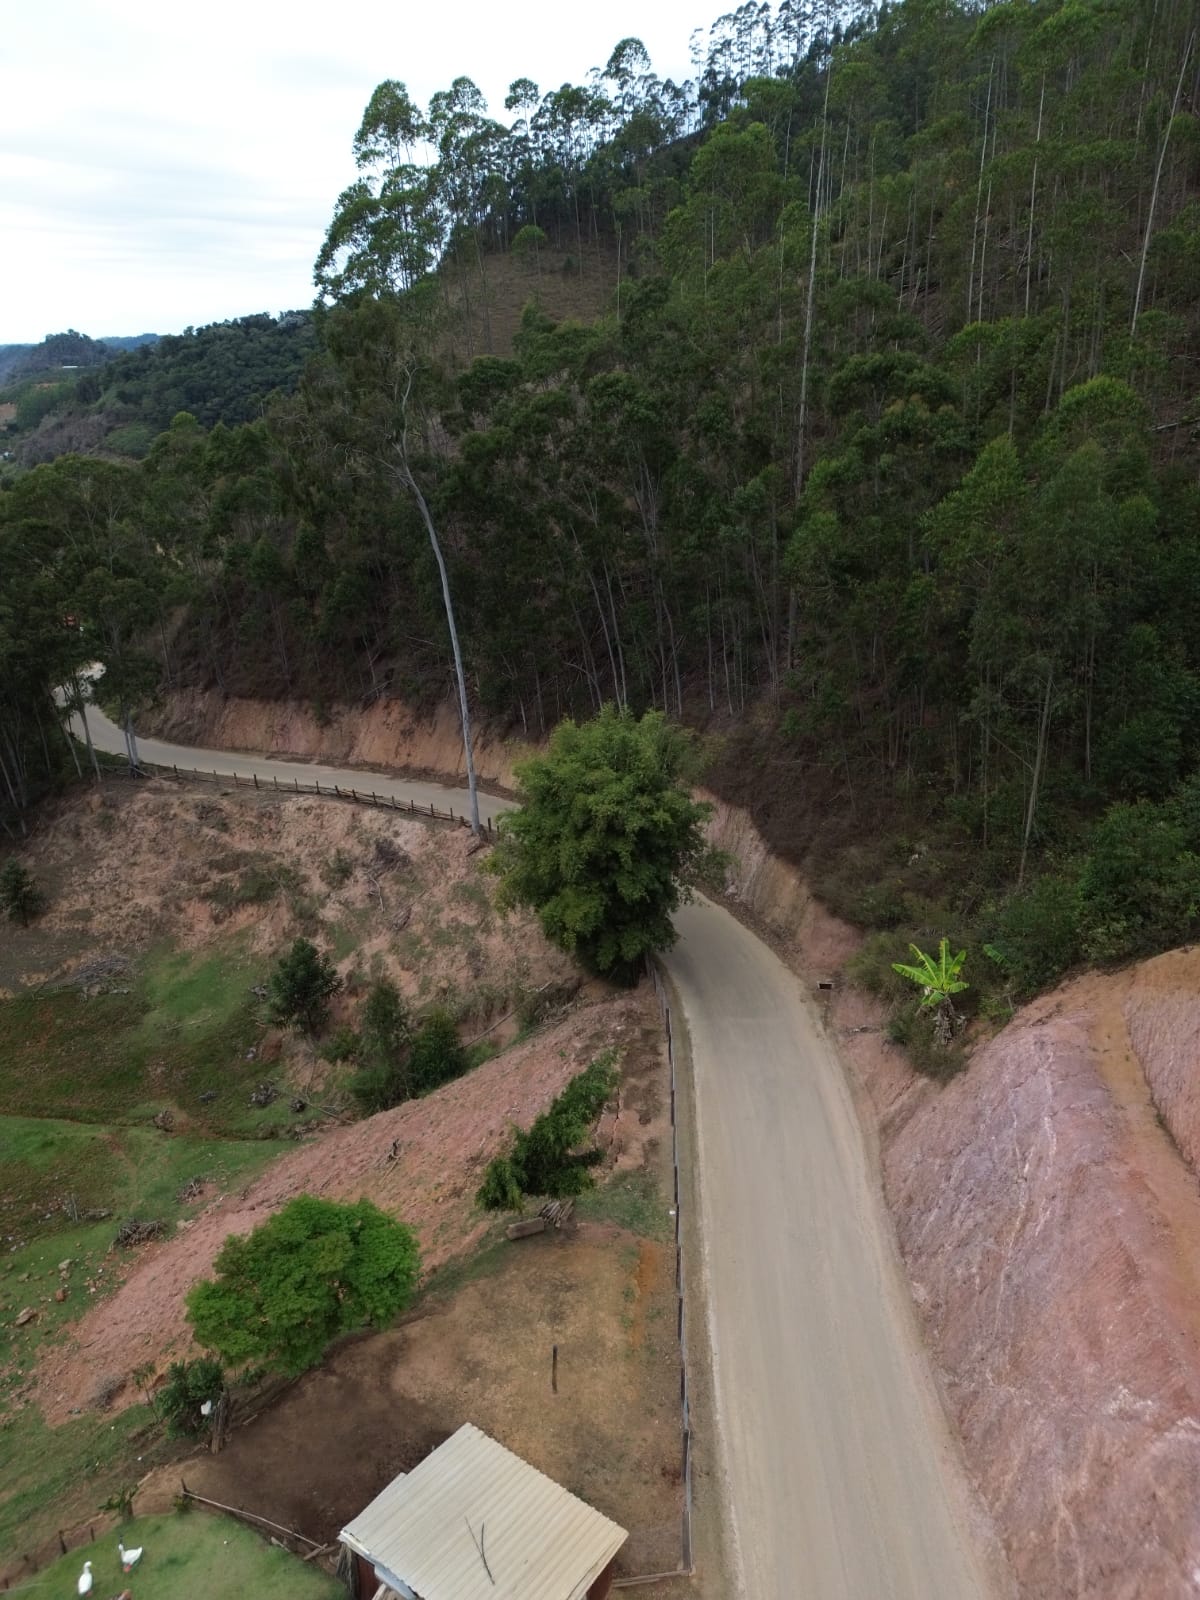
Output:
(1035, 780)
(410, 483)
(1162, 156)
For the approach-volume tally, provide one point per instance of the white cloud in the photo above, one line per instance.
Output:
(166, 165)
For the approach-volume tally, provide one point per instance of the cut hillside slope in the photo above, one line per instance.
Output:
(387, 734)
(1051, 1232)
(131, 868)
(421, 1161)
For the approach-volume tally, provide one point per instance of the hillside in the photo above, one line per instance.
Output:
(840, 400)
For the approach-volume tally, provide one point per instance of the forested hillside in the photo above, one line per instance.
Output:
(882, 456)
(225, 372)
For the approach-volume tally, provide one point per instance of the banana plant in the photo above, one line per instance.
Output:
(939, 979)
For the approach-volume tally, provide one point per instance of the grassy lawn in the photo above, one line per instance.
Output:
(191, 1553)
(630, 1199)
(186, 1029)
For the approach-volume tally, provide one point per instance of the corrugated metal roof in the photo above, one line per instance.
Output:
(539, 1541)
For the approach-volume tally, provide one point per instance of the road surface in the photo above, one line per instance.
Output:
(841, 1481)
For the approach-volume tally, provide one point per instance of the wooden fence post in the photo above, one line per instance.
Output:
(254, 775)
(275, 781)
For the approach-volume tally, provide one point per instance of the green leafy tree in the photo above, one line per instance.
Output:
(19, 894)
(383, 1078)
(606, 839)
(302, 986)
(437, 1055)
(546, 1158)
(314, 1271)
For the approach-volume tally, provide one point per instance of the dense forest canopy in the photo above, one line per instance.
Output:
(885, 442)
(92, 398)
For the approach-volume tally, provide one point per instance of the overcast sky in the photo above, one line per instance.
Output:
(165, 165)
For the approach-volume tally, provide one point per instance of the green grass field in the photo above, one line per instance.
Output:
(193, 1555)
(80, 1081)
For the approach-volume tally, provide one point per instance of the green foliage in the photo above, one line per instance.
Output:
(545, 1159)
(436, 1055)
(314, 1271)
(1139, 889)
(384, 1077)
(19, 893)
(605, 840)
(301, 987)
(1035, 933)
(189, 1386)
(937, 979)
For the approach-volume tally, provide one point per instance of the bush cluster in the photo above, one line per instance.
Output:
(546, 1158)
(397, 1062)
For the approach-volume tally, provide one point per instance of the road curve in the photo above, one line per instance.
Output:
(841, 1478)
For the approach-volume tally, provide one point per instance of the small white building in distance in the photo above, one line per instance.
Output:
(475, 1522)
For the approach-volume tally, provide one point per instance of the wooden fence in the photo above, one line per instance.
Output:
(328, 791)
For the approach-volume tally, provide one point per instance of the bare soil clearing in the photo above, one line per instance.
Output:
(130, 867)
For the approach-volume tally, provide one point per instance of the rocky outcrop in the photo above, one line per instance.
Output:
(1051, 1230)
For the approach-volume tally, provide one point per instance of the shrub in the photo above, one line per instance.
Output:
(378, 1086)
(1139, 890)
(302, 986)
(19, 893)
(315, 1270)
(336, 871)
(189, 1385)
(546, 1159)
(501, 1187)
(1035, 933)
(436, 1055)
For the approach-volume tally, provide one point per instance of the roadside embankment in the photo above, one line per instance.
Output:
(385, 734)
(1047, 1212)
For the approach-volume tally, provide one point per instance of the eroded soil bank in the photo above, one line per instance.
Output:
(385, 734)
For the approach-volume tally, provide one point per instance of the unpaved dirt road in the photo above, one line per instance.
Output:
(841, 1478)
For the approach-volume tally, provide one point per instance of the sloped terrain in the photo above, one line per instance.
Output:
(1050, 1225)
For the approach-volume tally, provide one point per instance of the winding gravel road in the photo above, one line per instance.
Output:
(841, 1479)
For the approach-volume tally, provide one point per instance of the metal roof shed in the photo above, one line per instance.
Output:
(475, 1522)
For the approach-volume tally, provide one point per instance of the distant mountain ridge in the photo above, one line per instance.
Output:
(69, 349)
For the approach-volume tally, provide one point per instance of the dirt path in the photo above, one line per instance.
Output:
(842, 1481)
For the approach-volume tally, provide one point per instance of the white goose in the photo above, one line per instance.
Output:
(129, 1558)
(84, 1586)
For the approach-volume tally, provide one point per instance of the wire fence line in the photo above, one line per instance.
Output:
(269, 784)
(686, 1563)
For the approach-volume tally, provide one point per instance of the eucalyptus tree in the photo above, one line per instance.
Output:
(387, 227)
(379, 399)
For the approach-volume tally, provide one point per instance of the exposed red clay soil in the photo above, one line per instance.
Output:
(1051, 1231)
(442, 1143)
(386, 734)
